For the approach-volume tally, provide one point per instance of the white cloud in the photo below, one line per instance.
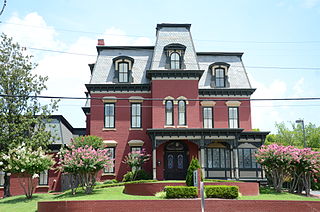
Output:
(67, 72)
(32, 31)
(265, 113)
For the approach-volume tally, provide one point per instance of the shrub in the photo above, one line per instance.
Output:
(225, 192)
(135, 160)
(181, 191)
(110, 181)
(27, 163)
(89, 140)
(138, 175)
(161, 195)
(194, 165)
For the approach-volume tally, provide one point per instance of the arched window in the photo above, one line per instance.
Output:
(123, 72)
(175, 60)
(182, 112)
(169, 112)
(220, 77)
(123, 69)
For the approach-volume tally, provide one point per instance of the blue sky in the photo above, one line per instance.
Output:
(274, 33)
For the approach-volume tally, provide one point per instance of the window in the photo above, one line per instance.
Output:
(123, 69)
(109, 115)
(207, 117)
(175, 60)
(220, 77)
(111, 152)
(182, 112)
(169, 112)
(43, 178)
(1, 178)
(247, 158)
(123, 72)
(136, 115)
(217, 158)
(136, 149)
(233, 117)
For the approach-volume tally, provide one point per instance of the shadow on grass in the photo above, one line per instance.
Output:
(79, 193)
(20, 199)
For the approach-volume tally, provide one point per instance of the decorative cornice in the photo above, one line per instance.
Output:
(118, 87)
(159, 26)
(238, 54)
(174, 74)
(226, 92)
(86, 110)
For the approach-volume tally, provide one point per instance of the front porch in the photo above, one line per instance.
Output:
(223, 153)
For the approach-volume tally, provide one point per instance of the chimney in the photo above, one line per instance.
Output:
(100, 42)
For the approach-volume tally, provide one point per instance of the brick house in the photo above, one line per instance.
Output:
(49, 180)
(176, 104)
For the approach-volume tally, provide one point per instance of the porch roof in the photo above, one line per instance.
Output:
(203, 136)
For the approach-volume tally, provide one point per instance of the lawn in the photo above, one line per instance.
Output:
(269, 194)
(20, 204)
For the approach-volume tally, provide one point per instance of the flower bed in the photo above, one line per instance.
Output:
(150, 189)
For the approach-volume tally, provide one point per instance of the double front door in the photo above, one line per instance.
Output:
(176, 162)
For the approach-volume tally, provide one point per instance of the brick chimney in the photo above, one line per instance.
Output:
(100, 42)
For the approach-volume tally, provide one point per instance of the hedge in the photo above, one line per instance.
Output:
(222, 191)
(181, 191)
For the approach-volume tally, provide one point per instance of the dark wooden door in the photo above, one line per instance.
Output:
(175, 165)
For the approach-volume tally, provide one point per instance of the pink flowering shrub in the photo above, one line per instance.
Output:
(282, 161)
(84, 163)
(135, 160)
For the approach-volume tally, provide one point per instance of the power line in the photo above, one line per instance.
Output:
(131, 35)
(133, 48)
(160, 99)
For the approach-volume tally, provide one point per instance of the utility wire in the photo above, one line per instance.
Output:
(257, 67)
(205, 40)
(161, 99)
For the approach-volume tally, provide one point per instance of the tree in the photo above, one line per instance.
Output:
(84, 162)
(27, 164)
(194, 165)
(22, 116)
(135, 160)
(294, 136)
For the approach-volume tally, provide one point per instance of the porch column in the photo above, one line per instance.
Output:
(232, 163)
(154, 160)
(202, 161)
(202, 158)
(236, 164)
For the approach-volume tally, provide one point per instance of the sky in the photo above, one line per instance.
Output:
(280, 40)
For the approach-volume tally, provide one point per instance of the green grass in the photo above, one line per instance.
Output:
(270, 194)
(21, 204)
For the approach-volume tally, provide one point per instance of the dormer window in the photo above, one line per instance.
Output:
(123, 72)
(174, 54)
(175, 61)
(219, 78)
(123, 69)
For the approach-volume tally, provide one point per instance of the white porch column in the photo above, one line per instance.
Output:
(154, 163)
(236, 164)
(232, 163)
(202, 162)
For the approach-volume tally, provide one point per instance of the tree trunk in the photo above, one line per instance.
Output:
(6, 190)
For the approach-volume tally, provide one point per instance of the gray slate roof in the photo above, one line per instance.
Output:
(153, 58)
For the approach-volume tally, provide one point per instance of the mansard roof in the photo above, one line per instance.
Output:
(154, 58)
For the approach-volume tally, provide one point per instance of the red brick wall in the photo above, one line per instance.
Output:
(186, 205)
(175, 88)
(122, 134)
(220, 115)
